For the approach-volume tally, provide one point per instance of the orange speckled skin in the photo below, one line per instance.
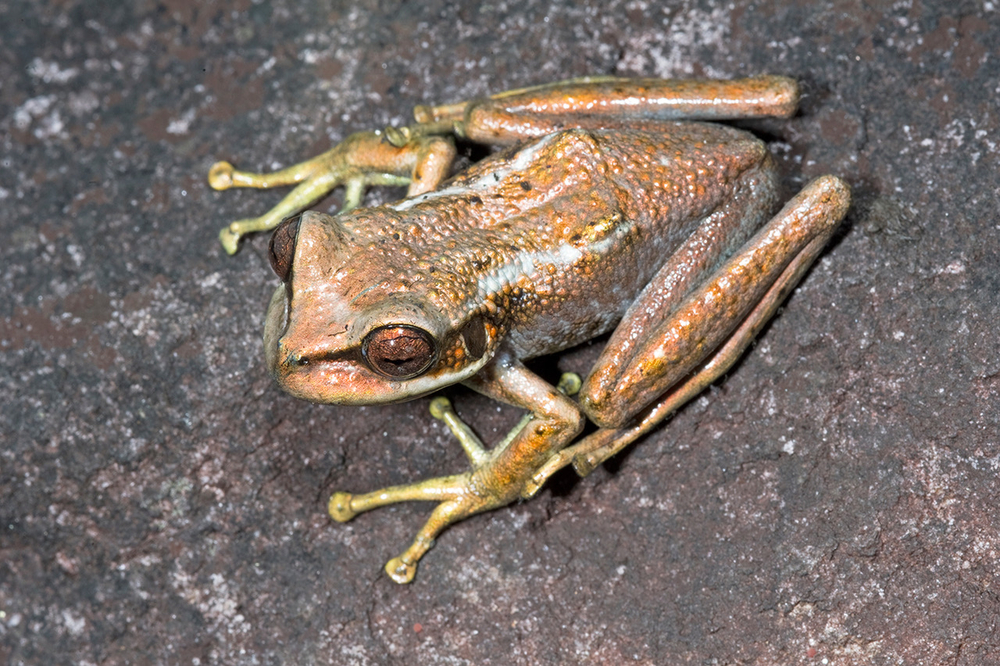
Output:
(613, 207)
(597, 211)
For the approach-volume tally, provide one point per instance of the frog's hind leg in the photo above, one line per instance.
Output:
(361, 160)
(608, 102)
(806, 223)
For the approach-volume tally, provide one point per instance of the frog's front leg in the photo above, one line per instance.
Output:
(420, 160)
(498, 477)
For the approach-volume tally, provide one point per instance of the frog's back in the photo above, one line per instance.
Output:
(578, 186)
(656, 174)
(573, 224)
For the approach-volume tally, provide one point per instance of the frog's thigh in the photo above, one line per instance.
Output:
(714, 239)
(593, 450)
(666, 350)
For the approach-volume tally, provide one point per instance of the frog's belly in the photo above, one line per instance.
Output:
(574, 294)
(587, 301)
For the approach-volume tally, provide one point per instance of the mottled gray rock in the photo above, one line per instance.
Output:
(162, 502)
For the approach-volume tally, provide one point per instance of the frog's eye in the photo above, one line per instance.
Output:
(281, 249)
(399, 351)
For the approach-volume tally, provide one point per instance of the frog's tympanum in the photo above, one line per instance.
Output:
(610, 206)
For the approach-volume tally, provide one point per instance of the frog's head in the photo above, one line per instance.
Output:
(349, 324)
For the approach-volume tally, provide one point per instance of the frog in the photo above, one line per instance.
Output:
(609, 206)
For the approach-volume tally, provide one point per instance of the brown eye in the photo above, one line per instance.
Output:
(281, 249)
(399, 351)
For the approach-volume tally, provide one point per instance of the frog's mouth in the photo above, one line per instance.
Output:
(310, 371)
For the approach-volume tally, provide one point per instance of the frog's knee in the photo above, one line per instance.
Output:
(834, 193)
(603, 408)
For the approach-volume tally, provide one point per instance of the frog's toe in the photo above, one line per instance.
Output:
(533, 485)
(220, 176)
(570, 383)
(339, 507)
(400, 571)
(545, 472)
(585, 463)
(230, 239)
(440, 406)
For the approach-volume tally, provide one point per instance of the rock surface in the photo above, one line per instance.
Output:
(832, 501)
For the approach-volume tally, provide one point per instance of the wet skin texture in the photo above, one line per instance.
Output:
(613, 208)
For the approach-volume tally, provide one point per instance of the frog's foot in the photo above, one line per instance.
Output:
(302, 197)
(588, 453)
(442, 410)
(459, 497)
(314, 179)
(360, 161)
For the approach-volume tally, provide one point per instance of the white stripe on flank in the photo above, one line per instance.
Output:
(563, 256)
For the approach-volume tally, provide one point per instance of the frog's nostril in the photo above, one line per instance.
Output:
(291, 358)
(281, 249)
